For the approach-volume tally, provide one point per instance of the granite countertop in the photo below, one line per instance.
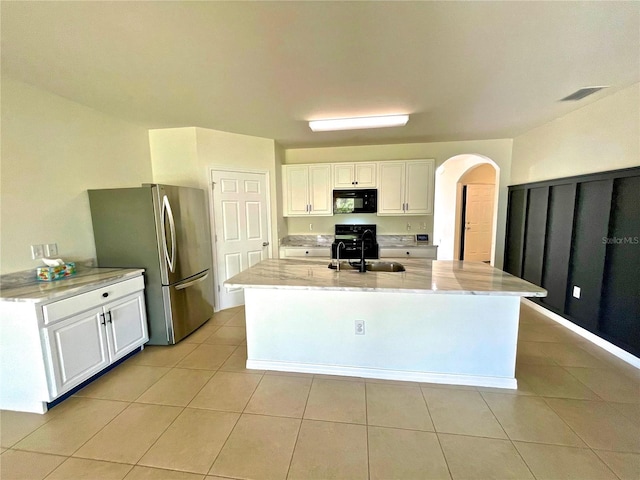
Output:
(422, 276)
(87, 278)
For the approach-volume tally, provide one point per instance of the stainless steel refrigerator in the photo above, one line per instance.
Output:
(165, 230)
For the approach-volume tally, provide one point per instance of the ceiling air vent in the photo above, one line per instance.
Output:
(580, 94)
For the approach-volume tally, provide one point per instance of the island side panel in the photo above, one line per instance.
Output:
(460, 339)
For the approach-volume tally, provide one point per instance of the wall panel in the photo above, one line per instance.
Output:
(558, 244)
(533, 257)
(582, 232)
(620, 311)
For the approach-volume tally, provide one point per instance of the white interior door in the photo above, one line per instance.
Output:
(240, 209)
(478, 223)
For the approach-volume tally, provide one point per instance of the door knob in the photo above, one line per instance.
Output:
(264, 244)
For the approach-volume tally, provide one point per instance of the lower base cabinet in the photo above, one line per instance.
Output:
(300, 253)
(409, 252)
(49, 349)
(83, 345)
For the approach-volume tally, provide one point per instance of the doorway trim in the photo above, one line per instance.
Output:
(446, 203)
(214, 246)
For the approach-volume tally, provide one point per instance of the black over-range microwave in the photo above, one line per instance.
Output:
(355, 201)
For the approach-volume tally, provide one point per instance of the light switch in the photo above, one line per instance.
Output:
(51, 249)
(576, 292)
(37, 251)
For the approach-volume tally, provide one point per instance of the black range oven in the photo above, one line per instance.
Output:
(349, 239)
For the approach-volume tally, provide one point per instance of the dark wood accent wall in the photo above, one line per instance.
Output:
(582, 232)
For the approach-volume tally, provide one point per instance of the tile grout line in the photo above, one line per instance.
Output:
(366, 421)
(507, 435)
(295, 444)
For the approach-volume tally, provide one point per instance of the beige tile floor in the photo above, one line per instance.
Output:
(192, 411)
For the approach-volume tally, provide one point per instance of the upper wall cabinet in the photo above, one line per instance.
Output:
(307, 190)
(354, 175)
(406, 187)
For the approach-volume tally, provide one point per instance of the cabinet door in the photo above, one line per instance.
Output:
(320, 191)
(295, 189)
(391, 188)
(418, 189)
(126, 325)
(76, 350)
(365, 175)
(343, 175)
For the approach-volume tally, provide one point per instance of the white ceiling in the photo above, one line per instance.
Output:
(463, 70)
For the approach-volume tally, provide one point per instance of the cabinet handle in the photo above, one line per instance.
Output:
(408, 253)
(306, 253)
(110, 320)
(102, 317)
(105, 294)
(310, 208)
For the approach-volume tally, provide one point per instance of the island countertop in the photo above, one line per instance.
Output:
(422, 276)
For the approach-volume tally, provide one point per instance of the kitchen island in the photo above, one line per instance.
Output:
(439, 321)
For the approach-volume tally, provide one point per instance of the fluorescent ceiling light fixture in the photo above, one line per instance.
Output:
(358, 123)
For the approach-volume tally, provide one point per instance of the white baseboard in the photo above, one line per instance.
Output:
(407, 376)
(593, 338)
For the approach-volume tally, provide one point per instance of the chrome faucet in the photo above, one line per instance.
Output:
(363, 265)
(338, 254)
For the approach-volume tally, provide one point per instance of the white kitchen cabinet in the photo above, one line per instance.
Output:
(77, 349)
(354, 175)
(409, 252)
(84, 344)
(405, 187)
(307, 190)
(300, 253)
(52, 345)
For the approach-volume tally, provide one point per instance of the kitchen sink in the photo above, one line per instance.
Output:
(373, 266)
(385, 267)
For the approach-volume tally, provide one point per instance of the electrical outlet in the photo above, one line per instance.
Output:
(359, 327)
(576, 292)
(37, 251)
(408, 227)
(51, 249)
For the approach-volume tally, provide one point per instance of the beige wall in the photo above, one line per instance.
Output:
(53, 150)
(604, 135)
(184, 156)
(481, 174)
(497, 150)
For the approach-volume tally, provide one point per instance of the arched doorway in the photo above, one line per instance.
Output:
(450, 177)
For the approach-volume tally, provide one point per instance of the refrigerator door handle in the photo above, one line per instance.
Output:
(166, 211)
(184, 285)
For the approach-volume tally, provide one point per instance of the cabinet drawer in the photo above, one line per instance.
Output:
(307, 252)
(79, 303)
(408, 252)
